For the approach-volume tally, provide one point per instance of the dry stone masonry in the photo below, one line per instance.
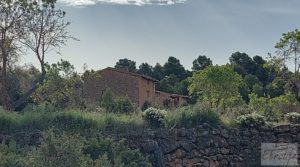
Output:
(210, 146)
(205, 145)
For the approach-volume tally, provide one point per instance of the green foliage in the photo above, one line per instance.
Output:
(107, 152)
(155, 117)
(189, 117)
(273, 108)
(201, 63)
(251, 120)
(72, 150)
(61, 88)
(292, 117)
(173, 66)
(146, 69)
(146, 105)
(215, 84)
(116, 104)
(59, 151)
(10, 156)
(70, 121)
(126, 63)
(289, 47)
(123, 105)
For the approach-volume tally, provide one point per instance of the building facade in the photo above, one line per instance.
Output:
(139, 88)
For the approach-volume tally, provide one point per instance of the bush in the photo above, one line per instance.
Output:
(105, 152)
(146, 105)
(72, 150)
(189, 117)
(251, 120)
(155, 117)
(116, 104)
(123, 105)
(292, 117)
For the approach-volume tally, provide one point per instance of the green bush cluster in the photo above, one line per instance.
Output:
(116, 153)
(251, 120)
(292, 117)
(192, 116)
(72, 150)
(155, 117)
(116, 104)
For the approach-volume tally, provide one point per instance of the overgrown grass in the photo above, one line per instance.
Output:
(89, 122)
(192, 116)
(72, 121)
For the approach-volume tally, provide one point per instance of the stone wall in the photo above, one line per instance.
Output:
(209, 147)
(120, 83)
(202, 146)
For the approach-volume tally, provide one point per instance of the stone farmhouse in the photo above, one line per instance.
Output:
(139, 88)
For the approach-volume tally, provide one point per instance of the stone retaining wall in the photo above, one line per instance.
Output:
(202, 146)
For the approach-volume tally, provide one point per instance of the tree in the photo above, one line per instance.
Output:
(11, 30)
(126, 63)
(289, 47)
(61, 87)
(146, 69)
(215, 84)
(201, 63)
(244, 62)
(46, 30)
(158, 72)
(173, 66)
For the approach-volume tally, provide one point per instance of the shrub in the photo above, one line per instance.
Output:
(123, 105)
(59, 151)
(251, 120)
(8, 121)
(9, 155)
(107, 152)
(155, 117)
(192, 116)
(292, 117)
(107, 101)
(146, 105)
(116, 104)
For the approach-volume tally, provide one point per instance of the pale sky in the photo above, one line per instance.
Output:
(152, 30)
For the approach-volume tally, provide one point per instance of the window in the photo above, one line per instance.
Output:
(148, 93)
(148, 82)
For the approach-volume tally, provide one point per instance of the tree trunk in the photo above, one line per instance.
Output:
(4, 89)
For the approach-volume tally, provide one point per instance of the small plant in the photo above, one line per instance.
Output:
(251, 120)
(155, 117)
(292, 117)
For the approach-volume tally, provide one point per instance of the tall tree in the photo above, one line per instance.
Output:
(173, 66)
(216, 84)
(146, 69)
(126, 63)
(46, 30)
(201, 63)
(243, 62)
(11, 30)
(289, 47)
(158, 72)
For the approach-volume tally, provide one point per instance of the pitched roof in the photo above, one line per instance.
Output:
(130, 73)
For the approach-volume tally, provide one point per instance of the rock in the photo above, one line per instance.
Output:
(149, 146)
(225, 151)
